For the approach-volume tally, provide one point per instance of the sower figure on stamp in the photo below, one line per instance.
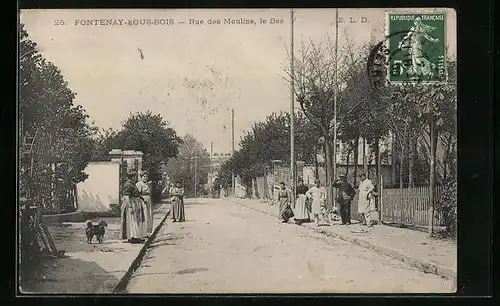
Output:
(366, 201)
(412, 42)
(345, 195)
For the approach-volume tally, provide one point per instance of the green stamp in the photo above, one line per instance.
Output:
(417, 46)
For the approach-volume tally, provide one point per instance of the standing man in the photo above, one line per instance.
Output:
(318, 195)
(345, 195)
(366, 202)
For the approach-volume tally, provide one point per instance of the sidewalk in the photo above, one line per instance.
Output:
(96, 268)
(410, 246)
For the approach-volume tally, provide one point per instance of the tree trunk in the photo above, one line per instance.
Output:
(411, 161)
(329, 167)
(401, 166)
(452, 158)
(347, 162)
(378, 167)
(356, 157)
(378, 171)
(432, 174)
(393, 159)
(316, 164)
(365, 160)
(446, 158)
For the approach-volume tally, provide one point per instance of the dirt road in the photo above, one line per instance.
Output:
(226, 248)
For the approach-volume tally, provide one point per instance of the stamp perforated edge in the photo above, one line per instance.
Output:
(387, 33)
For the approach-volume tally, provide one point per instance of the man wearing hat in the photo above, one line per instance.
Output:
(344, 196)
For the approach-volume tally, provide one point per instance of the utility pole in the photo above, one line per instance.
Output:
(233, 179)
(335, 94)
(195, 174)
(292, 112)
(211, 176)
(432, 179)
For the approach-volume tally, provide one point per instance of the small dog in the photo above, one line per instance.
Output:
(95, 230)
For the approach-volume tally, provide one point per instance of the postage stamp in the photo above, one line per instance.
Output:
(417, 43)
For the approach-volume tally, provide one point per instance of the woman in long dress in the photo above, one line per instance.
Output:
(301, 211)
(318, 196)
(284, 197)
(366, 202)
(222, 192)
(132, 212)
(177, 194)
(144, 187)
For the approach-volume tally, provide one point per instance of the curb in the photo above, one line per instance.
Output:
(121, 287)
(422, 265)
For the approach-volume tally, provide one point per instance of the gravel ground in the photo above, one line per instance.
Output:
(78, 272)
(227, 248)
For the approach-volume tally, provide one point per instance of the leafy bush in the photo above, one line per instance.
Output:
(447, 206)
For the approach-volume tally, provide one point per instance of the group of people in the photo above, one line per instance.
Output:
(312, 201)
(137, 207)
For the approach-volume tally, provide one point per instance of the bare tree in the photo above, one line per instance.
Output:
(319, 78)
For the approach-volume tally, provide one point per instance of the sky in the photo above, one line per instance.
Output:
(191, 73)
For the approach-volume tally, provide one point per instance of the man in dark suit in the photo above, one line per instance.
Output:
(344, 197)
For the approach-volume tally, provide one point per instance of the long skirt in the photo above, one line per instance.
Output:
(178, 213)
(366, 204)
(301, 212)
(148, 213)
(316, 206)
(132, 218)
(285, 211)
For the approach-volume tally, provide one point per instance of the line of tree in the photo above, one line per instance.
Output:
(191, 166)
(404, 113)
(269, 140)
(146, 132)
(46, 109)
(69, 141)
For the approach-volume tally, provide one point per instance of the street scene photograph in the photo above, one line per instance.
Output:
(237, 151)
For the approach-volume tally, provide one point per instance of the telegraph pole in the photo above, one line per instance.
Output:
(292, 111)
(211, 169)
(432, 179)
(335, 93)
(233, 179)
(195, 174)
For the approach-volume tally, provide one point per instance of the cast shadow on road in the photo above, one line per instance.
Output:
(189, 203)
(184, 271)
(159, 244)
(66, 275)
(166, 240)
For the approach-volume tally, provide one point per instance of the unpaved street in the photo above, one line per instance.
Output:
(226, 248)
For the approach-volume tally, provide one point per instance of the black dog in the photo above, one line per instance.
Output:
(95, 230)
